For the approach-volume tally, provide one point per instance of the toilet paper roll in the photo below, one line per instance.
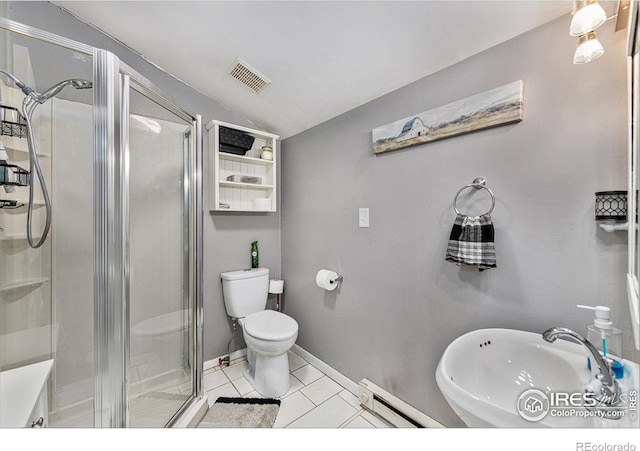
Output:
(324, 278)
(276, 286)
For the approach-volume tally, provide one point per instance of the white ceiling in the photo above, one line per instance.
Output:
(324, 58)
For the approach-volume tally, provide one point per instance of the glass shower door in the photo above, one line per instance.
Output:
(161, 376)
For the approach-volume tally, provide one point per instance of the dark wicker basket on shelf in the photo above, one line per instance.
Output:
(235, 141)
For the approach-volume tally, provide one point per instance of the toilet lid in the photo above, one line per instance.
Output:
(270, 325)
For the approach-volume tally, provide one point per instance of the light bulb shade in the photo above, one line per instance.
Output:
(587, 49)
(587, 16)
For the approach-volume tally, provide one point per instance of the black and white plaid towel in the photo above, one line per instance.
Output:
(472, 242)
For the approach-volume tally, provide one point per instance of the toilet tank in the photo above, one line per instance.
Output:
(245, 291)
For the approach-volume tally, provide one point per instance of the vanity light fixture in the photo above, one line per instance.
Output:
(587, 16)
(588, 48)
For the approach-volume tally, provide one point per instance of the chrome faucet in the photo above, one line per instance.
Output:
(609, 395)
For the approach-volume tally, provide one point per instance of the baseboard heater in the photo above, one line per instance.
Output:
(391, 408)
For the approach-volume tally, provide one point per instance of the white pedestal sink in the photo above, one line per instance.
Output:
(483, 374)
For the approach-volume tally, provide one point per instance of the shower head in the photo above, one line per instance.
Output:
(24, 88)
(77, 83)
(29, 103)
(81, 84)
(55, 89)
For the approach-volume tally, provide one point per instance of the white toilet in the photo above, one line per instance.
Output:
(267, 333)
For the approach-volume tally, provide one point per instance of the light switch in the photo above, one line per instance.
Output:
(363, 217)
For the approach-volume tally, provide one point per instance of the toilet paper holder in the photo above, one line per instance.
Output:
(328, 280)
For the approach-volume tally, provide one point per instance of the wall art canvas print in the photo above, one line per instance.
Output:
(499, 106)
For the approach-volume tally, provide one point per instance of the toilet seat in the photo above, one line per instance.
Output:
(269, 325)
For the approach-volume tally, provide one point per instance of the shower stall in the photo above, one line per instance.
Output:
(100, 238)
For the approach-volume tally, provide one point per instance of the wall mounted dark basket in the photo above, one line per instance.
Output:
(611, 206)
(13, 123)
(234, 141)
(10, 204)
(10, 174)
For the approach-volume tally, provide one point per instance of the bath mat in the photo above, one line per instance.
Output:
(241, 413)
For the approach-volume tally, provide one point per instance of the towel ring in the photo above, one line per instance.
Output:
(477, 184)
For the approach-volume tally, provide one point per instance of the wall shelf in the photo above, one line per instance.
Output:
(246, 185)
(19, 149)
(230, 196)
(18, 237)
(18, 285)
(241, 159)
(10, 204)
(21, 209)
(615, 227)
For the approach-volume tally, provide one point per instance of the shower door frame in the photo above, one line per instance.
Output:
(192, 219)
(112, 80)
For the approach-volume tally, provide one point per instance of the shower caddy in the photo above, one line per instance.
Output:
(12, 174)
(13, 133)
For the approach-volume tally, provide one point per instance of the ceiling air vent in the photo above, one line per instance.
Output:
(248, 76)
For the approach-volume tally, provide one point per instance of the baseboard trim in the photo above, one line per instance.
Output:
(326, 369)
(340, 378)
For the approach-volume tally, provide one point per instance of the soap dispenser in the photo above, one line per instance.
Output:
(606, 338)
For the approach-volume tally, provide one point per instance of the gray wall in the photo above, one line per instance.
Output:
(227, 237)
(401, 304)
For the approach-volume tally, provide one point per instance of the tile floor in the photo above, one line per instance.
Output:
(313, 401)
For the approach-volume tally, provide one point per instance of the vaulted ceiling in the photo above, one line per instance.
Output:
(323, 58)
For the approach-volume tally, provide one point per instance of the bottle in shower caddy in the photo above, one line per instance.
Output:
(255, 260)
(4, 160)
(606, 338)
(5, 176)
